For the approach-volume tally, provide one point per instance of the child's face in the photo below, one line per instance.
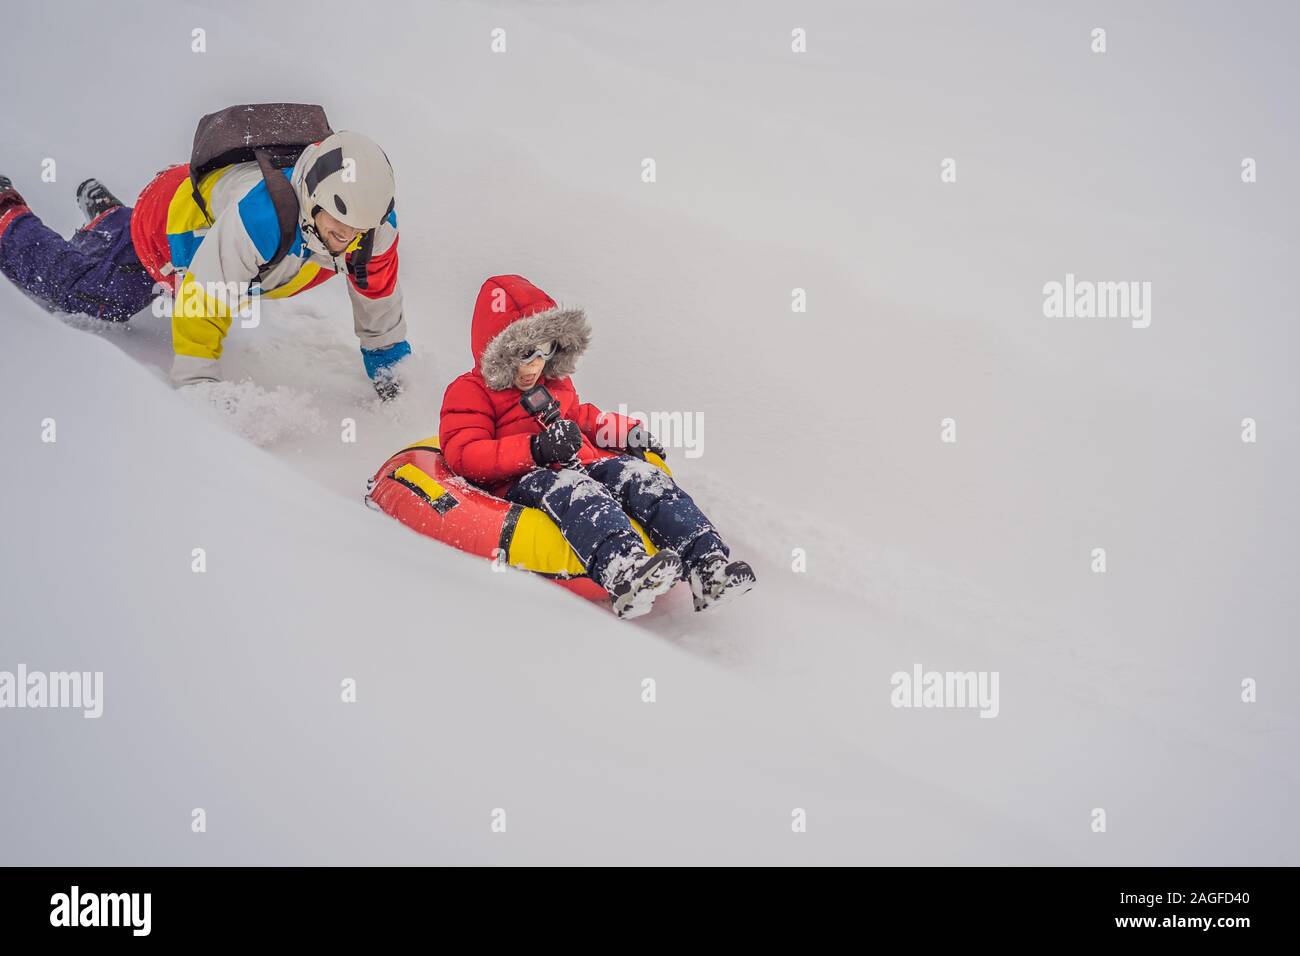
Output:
(526, 375)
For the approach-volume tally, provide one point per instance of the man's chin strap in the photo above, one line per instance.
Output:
(309, 229)
(361, 257)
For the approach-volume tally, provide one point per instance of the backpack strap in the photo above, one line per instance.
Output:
(198, 197)
(286, 209)
(360, 263)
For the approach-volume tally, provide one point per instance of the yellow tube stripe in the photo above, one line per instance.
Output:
(421, 480)
(539, 546)
(658, 463)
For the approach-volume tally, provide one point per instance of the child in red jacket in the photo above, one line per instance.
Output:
(586, 469)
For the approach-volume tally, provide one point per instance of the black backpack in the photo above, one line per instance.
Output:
(273, 134)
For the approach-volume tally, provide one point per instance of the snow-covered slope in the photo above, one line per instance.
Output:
(479, 690)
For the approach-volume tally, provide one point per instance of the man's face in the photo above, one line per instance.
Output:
(336, 235)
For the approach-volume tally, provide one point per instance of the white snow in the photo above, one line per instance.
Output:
(479, 690)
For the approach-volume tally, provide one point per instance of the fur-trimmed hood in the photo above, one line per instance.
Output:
(512, 317)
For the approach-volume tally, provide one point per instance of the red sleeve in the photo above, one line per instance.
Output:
(375, 277)
(467, 433)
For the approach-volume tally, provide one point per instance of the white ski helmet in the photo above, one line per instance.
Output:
(351, 179)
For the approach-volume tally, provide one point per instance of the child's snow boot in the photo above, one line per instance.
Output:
(714, 580)
(640, 579)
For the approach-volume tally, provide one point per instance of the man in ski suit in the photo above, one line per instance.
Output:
(118, 262)
(586, 469)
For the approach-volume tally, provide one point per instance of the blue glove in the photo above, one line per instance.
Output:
(379, 366)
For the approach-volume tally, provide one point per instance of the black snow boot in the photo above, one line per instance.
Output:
(94, 199)
(640, 579)
(714, 580)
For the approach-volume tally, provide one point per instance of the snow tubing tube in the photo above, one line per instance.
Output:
(417, 488)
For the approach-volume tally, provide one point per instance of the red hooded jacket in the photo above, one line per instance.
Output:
(484, 432)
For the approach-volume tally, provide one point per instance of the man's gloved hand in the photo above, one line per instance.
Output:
(559, 441)
(640, 441)
(380, 367)
(190, 370)
(387, 385)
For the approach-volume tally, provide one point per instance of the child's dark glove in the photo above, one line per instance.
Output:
(559, 441)
(640, 441)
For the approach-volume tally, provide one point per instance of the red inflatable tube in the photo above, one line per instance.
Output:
(416, 487)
